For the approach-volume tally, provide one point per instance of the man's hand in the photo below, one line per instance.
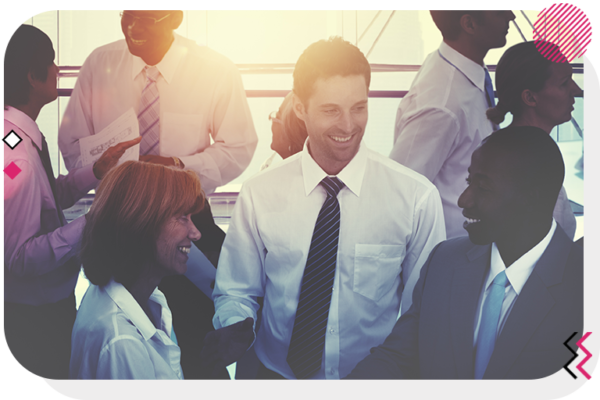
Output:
(159, 160)
(111, 156)
(226, 345)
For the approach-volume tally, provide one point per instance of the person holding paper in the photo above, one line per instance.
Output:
(184, 96)
(40, 249)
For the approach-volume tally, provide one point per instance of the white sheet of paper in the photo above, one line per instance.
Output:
(122, 129)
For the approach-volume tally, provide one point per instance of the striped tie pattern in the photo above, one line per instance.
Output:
(308, 336)
(486, 338)
(149, 113)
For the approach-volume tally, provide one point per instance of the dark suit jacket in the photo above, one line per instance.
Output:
(434, 339)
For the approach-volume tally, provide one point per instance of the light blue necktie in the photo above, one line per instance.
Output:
(308, 335)
(486, 339)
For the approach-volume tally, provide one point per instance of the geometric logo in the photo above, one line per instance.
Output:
(12, 170)
(562, 32)
(12, 140)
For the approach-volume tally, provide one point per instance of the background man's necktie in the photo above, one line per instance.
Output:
(308, 336)
(489, 94)
(149, 113)
(486, 338)
(45, 157)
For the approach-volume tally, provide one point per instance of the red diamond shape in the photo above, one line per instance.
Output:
(12, 170)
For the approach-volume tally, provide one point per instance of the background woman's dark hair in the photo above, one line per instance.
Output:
(521, 67)
(132, 204)
(29, 49)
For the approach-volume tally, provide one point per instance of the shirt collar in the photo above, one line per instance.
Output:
(24, 123)
(125, 301)
(167, 65)
(473, 71)
(520, 270)
(352, 174)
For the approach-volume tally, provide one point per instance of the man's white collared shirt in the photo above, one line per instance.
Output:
(201, 98)
(391, 218)
(440, 122)
(517, 274)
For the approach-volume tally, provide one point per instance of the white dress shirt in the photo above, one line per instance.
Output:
(40, 249)
(201, 97)
(517, 274)
(440, 122)
(391, 218)
(563, 214)
(114, 339)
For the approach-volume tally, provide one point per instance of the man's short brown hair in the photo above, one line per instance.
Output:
(325, 59)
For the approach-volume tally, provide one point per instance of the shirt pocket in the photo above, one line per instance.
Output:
(377, 269)
(182, 134)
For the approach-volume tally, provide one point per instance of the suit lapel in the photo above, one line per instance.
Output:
(531, 307)
(466, 287)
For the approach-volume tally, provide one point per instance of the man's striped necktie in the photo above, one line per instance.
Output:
(308, 336)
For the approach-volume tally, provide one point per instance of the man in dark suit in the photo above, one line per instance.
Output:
(500, 303)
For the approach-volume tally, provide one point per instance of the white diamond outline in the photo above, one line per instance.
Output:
(7, 139)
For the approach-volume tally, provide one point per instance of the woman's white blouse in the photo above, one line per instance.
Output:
(114, 339)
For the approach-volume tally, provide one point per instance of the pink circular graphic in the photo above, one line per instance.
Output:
(562, 26)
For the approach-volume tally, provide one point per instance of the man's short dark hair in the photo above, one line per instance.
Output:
(534, 158)
(448, 22)
(325, 59)
(29, 50)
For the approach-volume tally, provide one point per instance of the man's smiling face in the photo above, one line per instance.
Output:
(149, 34)
(494, 202)
(335, 116)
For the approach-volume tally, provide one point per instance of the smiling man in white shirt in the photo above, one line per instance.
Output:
(441, 121)
(286, 233)
(198, 96)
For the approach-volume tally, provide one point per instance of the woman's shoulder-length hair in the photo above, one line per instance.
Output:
(131, 206)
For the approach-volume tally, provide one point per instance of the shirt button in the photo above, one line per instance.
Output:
(331, 371)
(331, 330)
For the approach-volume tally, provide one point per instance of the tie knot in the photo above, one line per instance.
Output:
(332, 185)
(500, 279)
(152, 72)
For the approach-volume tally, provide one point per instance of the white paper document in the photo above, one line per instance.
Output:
(120, 130)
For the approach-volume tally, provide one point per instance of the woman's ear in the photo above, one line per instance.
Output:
(529, 98)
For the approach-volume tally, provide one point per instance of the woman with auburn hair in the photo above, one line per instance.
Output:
(537, 92)
(289, 132)
(138, 231)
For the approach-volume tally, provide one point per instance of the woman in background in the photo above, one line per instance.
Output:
(537, 92)
(289, 132)
(138, 231)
